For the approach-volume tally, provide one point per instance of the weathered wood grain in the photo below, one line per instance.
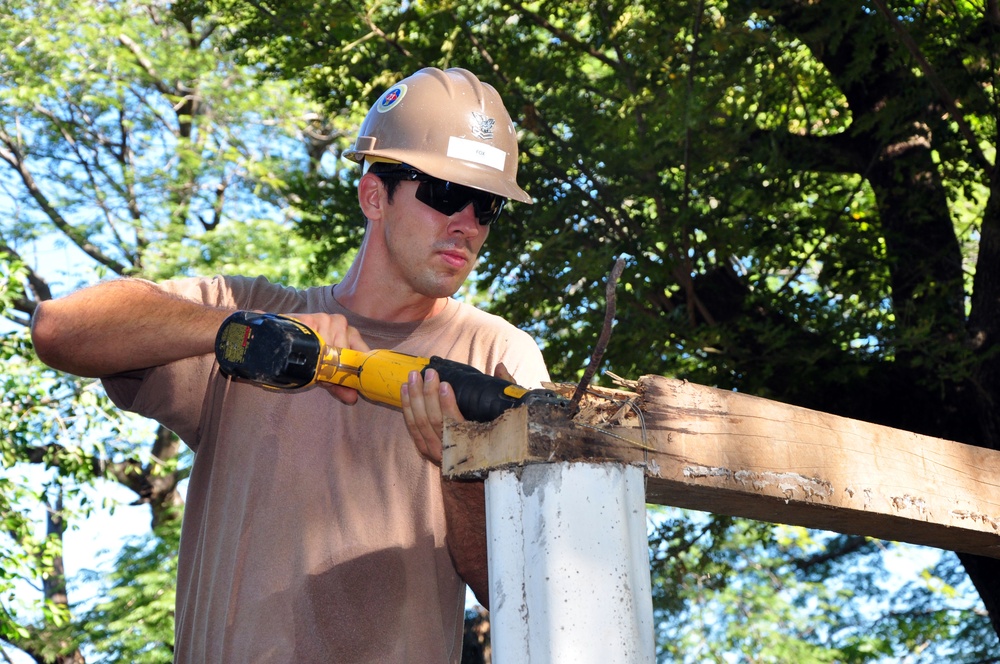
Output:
(729, 453)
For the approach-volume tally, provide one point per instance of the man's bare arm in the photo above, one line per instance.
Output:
(426, 403)
(122, 325)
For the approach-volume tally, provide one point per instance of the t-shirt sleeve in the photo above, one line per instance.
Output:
(176, 394)
(484, 340)
(523, 359)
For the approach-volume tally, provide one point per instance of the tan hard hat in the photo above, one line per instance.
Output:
(448, 124)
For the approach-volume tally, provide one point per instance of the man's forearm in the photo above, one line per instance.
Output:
(122, 326)
(465, 511)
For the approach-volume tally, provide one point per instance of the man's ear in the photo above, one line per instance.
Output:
(371, 196)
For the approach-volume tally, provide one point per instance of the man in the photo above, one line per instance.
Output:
(315, 530)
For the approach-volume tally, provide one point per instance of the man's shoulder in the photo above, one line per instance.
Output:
(261, 288)
(468, 314)
(246, 292)
(492, 339)
(482, 327)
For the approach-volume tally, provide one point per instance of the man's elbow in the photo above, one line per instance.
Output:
(47, 336)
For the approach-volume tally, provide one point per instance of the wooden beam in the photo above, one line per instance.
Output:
(712, 450)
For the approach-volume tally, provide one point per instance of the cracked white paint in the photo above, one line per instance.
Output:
(654, 468)
(811, 488)
(985, 519)
(706, 471)
(906, 501)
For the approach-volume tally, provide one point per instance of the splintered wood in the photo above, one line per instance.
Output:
(708, 449)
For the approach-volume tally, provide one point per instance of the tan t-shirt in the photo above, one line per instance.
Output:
(314, 531)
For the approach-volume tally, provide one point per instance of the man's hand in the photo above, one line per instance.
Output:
(334, 331)
(426, 403)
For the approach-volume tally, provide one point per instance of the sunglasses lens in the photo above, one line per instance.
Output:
(489, 207)
(449, 198)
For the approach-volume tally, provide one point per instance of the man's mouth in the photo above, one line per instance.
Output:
(454, 258)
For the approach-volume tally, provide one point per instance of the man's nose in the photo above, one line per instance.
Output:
(465, 221)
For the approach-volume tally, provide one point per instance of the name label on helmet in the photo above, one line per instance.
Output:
(480, 153)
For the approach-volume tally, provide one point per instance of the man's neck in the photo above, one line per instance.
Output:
(373, 301)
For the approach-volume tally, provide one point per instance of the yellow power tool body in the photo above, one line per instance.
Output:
(279, 352)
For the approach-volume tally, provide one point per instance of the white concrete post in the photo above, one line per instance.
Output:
(569, 564)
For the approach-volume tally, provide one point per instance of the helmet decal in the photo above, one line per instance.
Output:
(392, 96)
(482, 126)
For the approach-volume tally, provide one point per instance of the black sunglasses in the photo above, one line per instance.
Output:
(449, 197)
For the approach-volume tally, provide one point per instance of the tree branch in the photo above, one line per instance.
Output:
(834, 153)
(565, 37)
(147, 65)
(38, 286)
(602, 341)
(939, 87)
(9, 152)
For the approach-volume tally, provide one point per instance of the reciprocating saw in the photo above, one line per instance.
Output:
(282, 353)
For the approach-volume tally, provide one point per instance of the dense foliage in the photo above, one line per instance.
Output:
(130, 145)
(806, 194)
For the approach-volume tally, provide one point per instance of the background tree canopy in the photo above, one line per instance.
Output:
(807, 194)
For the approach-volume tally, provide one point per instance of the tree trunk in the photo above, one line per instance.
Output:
(939, 388)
